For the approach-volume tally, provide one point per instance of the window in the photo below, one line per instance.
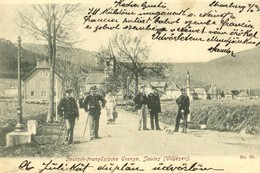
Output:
(44, 73)
(43, 93)
(32, 94)
(32, 83)
(43, 83)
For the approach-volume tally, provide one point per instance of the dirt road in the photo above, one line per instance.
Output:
(123, 139)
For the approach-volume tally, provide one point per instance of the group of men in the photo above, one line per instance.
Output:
(93, 102)
(68, 110)
(151, 102)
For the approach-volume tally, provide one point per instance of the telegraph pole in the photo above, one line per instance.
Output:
(19, 126)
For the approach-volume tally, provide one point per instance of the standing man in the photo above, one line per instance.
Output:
(141, 102)
(92, 106)
(183, 101)
(68, 109)
(154, 107)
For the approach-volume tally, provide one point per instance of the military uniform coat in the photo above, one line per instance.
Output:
(91, 104)
(184, 103)
(140, 99)
(68, 108)
(153, 103)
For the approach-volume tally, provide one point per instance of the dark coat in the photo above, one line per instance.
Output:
(184, 103)
(91, 103)
(68, 108)
(140, 99)
(153, 102)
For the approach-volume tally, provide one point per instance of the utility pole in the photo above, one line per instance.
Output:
(19, 126)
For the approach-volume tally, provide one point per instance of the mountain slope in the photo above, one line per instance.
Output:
(240, 72)
(9, 61)
(75, 55)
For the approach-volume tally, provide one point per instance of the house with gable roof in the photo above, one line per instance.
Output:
(36, 84)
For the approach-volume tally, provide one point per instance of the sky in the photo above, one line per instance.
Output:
(167, 51)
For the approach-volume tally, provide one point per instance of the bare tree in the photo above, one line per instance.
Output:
(131, 52)
(130, 56)
(73, 73)
(52, 23)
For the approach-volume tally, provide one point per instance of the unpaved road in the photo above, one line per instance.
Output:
(123, 139)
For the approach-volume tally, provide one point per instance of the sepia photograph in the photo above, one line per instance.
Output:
(116, 86)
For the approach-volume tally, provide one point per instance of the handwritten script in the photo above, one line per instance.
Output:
(219, 24)
(112, 167)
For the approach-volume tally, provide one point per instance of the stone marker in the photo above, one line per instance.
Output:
(15, 138)
(32, 126)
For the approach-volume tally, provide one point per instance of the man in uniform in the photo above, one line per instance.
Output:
(92, 106)
(183, 101)
(68, 109)
(141, 102)
(154, 107)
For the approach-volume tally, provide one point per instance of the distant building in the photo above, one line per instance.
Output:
(201, 93)
(36, 84)
(243, 95)
(214, 92)
(108, 66)
(160, 86)
(229, 95)
(94, 78)
(11, 92)
(254, 93)
(172, 91)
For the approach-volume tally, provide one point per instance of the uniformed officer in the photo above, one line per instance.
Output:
(68, 109)
(141, 103)
(154, 107)
(183, 101)
(92, 106)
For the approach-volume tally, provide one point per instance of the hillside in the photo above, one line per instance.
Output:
(32, 52)
(240, 72)
(75, 55)
(8, 59)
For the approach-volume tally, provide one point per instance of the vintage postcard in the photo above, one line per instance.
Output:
(130, 86)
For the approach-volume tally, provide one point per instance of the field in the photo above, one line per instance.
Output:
(222, 115)
(6, 84)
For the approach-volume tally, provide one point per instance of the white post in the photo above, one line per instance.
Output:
(56, 99)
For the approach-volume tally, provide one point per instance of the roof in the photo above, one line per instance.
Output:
(43, 64)
(228, 92)
(172, 87)
(254, 92)
(40, 65)
(158, 84)
(243, 94)
(200, 91)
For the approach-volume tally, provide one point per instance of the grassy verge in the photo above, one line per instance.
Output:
(43, 144)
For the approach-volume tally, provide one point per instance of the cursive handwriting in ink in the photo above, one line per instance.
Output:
(25, 165)
(126, 167)
(228, 5)
(184, 167)
(221, 50)
(50, 166)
